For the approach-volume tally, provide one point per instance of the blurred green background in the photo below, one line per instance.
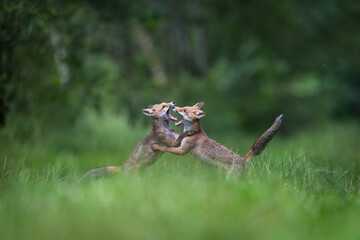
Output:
(247, 60)
(76, 74)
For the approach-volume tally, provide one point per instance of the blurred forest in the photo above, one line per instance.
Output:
(248, 60)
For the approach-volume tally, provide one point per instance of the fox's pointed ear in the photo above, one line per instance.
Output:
(147, 111)
(199, 105)
(199, 113)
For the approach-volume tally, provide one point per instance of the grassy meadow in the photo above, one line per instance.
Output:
(302, 187)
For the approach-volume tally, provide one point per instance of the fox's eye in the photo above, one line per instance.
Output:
(185, 110)
(162, 108)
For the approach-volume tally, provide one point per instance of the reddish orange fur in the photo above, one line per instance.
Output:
(143, 154)
(209, 151)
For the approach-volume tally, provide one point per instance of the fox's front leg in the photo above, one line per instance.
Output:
(182, 135)
(182, 150)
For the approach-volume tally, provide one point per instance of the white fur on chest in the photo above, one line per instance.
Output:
(183, 142)
(187, 125)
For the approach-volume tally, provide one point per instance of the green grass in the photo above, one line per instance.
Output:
(302, 187)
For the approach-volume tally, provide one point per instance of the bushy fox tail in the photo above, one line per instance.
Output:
(260, 144)
(100, 172)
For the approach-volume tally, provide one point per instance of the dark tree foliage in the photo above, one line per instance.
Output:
(248, 60)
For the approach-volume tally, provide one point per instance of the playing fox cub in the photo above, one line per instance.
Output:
(209, 151)
(143, 155)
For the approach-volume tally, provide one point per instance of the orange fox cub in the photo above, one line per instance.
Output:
(143, 155)
(209, 151)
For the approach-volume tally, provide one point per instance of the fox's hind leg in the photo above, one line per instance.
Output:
(100, 172)
(235, 170)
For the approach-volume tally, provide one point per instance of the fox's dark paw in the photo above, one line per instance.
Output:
(190, 133)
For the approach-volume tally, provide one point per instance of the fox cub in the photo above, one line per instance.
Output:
(143, 154)
(209, 151)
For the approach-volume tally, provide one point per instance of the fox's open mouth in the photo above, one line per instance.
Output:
(179, 122)
(170, 116)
